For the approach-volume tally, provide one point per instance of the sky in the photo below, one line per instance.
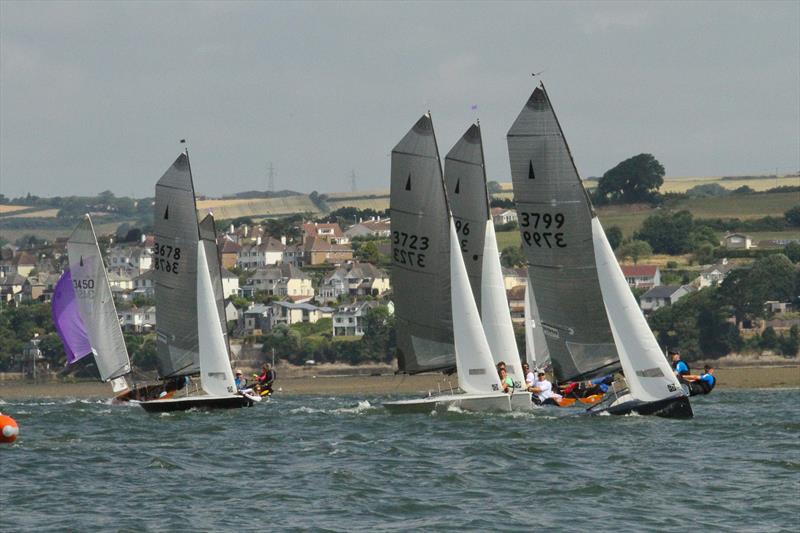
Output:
(96, 96)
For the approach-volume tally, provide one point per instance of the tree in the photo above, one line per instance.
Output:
(614, 236)
(792, 251)
(379, 341)
(792, 216)
(771, 278)
(635, 250)
(493, 187)
(512, 256)
(368, 252)
(636, 179)
(668, 233)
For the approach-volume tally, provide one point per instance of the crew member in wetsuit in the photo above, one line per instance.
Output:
(702, 384)
(265, 380)
(679, 366)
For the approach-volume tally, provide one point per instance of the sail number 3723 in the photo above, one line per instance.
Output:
(166, 258)
(539, 229)
(408, 249)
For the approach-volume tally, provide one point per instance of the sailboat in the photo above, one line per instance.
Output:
(190, 329)
(84, 313)
(590, 320)
(420, 207)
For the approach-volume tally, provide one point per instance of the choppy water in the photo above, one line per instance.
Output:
(344, 464)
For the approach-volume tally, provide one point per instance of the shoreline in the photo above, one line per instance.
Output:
(729, 378)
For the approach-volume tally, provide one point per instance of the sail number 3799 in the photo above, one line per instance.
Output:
(407, 248)
(166, 258)
(537, 226)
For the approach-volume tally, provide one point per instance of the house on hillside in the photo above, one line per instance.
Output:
(376, 227)
(662, 296)
(354, 279)
(39, 287)
(137, 258)
(229, 253)
(268, 251)
(642, 276)
(254, 319)
(501, 216)
(737, 241)
(318, 251)
(713, 275)
(295, 313)
(138, 319)
(279, 280)
(11, 287)
(348, 320)
(516, 304)
(515, 277)
(330, 232)
(23, 263)
(230, 283)
(144, 285)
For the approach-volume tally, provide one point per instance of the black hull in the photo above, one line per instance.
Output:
(204, 403)
(669, 408)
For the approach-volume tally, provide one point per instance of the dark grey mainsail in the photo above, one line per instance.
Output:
(175, 265)
(420, 253)
(208, 239)
(469, 201)
(555, 225)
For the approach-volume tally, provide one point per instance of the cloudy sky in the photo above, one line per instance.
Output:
(95, 96)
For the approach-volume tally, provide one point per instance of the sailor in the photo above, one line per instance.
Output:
(265, 380)
(702, 384)
(542, 391)
(240, 381)
(505, 380)
(599, 385)
(530, 377)
(680, 368)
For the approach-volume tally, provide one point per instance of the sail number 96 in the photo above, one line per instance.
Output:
(166, 258)
(407, 248)
(538, 224)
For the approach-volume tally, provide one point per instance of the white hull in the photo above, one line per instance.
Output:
(496, 403)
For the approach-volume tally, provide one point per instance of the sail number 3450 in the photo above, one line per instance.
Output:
(537, 226)
(408, 248)
(166, 257)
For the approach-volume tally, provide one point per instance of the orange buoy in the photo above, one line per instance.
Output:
(8, 429)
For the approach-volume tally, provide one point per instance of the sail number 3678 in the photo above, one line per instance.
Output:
(537, 226)
(166, 258)
(407, 248)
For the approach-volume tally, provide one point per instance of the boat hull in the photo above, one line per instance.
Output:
(481, 403)
(168, 405)
(678, 407)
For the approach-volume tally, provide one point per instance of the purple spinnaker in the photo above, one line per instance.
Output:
(68, 321)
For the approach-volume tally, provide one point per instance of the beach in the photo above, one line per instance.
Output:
(739, 377)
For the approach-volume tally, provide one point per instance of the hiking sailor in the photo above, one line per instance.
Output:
(679, 366)
(542, 391)
(702, 384)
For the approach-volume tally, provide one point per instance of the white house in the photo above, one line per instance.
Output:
(662, 296)
(376, 227)
(713, 275)
(501, 216)
(230, 283)
(138, 319)
(514, 277)
(295, 313)
(143, 285)
(279, 280)
(354, 279)
(263, 253)
(138, 258)
(642, 276)
(348, 320)
(737, 241)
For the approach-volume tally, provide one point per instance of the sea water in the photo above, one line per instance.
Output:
(345, 464)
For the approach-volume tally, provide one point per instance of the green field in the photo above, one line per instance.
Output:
(51, 234)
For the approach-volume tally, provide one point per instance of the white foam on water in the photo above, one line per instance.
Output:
(362, 406)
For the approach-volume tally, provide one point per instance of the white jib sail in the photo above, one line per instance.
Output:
(530, 347)
(216, 375)
(476, 371)
(647, 372)
(495, 314)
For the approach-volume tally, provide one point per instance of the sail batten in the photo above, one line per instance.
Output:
(555, 226)
(420, 253)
